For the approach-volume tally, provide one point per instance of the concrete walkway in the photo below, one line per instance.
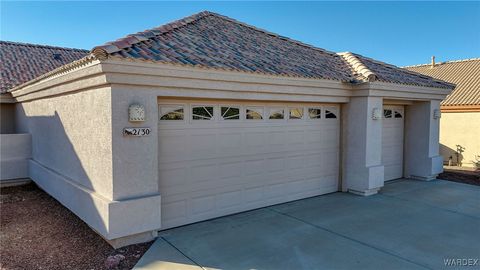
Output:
(409, 225)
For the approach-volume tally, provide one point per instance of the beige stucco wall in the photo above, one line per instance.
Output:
(71, 136)
(15, 151)
(7, 118)
(421, 149)
(72, 151)
(460, 128)
(76, 144)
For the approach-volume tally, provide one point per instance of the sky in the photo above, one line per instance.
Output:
(400, 33)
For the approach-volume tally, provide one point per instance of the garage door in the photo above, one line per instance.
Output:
(392, 141)
(219, 158)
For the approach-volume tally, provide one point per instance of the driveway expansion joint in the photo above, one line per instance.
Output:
(181, 252)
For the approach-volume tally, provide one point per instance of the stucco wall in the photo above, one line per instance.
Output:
(421, 149)
(72, 151)
(460, 128)
(7, 118)
(15, 150)
(76, 141)
(71, 135)
(363, 171)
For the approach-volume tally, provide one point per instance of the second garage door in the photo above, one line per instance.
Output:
(219, 158)
(392, 142)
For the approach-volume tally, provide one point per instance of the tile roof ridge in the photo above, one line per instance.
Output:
(445, 62)
(127, 41)
(15, 43)
(356, 64)
(404, 70)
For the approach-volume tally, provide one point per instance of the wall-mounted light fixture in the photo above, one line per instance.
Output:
(136, 113)
(376, 113)
(437, 114)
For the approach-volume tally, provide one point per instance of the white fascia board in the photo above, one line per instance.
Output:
(400, 91)
(82, 77)
(157, 76)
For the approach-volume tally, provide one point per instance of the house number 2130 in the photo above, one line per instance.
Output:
(137, 132)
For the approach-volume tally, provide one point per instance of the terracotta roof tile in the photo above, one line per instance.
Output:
(22, 62)
(374, 70)
(212, 40)
(464, 73)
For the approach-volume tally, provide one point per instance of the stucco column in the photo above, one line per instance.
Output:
(422, 158)
(363, 172)
(137, 206)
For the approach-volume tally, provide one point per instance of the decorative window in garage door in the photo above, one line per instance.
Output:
(202, 112)
(296, 113)
(171, 112)
(276, 113)
(254, 113)
(315, 113)
(230, 113)
(387, 113)
(331, 113)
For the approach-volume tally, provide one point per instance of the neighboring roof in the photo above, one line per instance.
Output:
(464, 73)
(22, 62)
(211, 40)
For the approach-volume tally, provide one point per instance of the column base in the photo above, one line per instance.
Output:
(423, 178)
(367, 192)
(132, 239)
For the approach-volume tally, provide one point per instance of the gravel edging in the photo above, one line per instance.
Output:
(461, 176)
(37, 232)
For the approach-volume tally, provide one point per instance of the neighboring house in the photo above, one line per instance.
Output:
(228, 118)
(460, 122)
(19, 63)
(22, 62)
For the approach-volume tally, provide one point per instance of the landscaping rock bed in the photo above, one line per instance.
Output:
(37, 232)
(466, 176)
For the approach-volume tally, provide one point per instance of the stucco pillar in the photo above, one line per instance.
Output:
(422, 158)
(363, 172)
(135, 168)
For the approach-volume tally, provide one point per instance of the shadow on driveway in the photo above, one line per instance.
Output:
(409, 225)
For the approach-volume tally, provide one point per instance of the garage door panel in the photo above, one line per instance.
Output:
(203, 172)
(313, 137)
(252, 167)
(174, 180)
(232, 169)
(295, 162)
(171, 146)
(218, 167)
(392, 143)
(275, 164)
(229, 141)
(330, 162)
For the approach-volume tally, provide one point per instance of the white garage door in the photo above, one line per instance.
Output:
(392, 142)
(219, 158)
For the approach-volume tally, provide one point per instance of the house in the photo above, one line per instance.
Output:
(208, 116)
(21, 62)
(460, 122)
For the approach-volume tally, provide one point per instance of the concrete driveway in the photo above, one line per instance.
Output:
(409, 225)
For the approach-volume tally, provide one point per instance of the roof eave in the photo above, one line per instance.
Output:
(58, 71)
